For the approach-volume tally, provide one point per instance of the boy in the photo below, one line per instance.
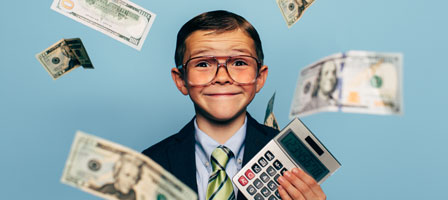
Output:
(219, 62)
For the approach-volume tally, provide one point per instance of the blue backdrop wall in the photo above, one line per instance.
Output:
(130, 98)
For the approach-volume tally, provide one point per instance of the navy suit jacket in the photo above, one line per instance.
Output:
(177, 152)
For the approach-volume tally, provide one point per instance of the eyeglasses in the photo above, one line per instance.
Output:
(201, 70)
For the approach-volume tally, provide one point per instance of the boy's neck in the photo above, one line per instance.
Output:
(220, 131)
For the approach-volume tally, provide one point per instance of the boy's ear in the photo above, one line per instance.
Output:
(262, 76)
(179, 81)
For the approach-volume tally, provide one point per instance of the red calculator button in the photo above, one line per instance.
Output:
(249, 174)
(243, 181)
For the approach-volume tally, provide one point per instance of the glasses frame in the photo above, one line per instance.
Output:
(183, 68)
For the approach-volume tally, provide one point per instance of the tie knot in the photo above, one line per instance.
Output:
(220, 157)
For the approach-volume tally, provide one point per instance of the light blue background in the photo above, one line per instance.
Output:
(130, 98)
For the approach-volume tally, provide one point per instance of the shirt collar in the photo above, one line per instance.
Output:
(208, 144)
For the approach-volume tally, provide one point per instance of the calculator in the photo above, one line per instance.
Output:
(294, 146)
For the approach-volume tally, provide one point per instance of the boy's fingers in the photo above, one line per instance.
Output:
(283, 194)
(300, 185)
(290, 189)
(310, 182)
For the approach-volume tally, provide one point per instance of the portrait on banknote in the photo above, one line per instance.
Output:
(72, 60)
(318, 90)
(127, 172)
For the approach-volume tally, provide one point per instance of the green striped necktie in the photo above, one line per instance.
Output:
(219, 184)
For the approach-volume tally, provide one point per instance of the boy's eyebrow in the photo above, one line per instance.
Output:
(243, 51)
(201, 51)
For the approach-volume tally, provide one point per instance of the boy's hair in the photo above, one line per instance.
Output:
(220, 21)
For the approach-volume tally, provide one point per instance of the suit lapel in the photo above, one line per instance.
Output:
(181, 157)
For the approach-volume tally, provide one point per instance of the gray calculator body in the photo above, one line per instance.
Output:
(294, 146)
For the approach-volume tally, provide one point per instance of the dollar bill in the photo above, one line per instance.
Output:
(119, 19)
(269, 118)
(292, 10)
(64, 56)
(355, 81)
(112, 171)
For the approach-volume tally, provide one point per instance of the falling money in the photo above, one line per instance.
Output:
(356, 81)
(64, 56)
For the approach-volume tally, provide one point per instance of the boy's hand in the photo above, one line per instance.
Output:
(298, 185)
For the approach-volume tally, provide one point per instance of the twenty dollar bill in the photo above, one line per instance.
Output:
(64, 56)
(356, 81)
(112, 171)
(119, 19)
(292, 10)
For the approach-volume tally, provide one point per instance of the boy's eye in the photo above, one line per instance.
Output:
(202, 64)
(239, 63)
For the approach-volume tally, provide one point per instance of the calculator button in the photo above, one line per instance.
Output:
(272, 197)
(258, 184)
(278, 165)
(277, 194)
(249, 174)
(264, 177)
(265, 192)
(271, 171)
(283, 171)
(262, 162)
(269, 155)
(272, 186)
(256, 168)
(251, 190)
(276, 179)
(258, 197)
(243, 181)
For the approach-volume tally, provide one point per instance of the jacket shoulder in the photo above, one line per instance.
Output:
(272, 132)
(160, 151)
(268, 131)
(160, 147)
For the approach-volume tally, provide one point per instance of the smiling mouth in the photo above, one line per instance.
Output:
(221, 94)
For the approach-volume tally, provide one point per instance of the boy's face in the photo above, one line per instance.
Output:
(222, 99)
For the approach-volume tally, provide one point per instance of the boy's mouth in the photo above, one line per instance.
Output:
(222, 94)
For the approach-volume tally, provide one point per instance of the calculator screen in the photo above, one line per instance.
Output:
(303, 156)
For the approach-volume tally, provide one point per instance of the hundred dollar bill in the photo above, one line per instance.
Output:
(112, 171)
(64, 56)
(292, 10)
(269, 118)
(119, 19)
(356, 81)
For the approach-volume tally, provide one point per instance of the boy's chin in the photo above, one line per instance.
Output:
(221, 117)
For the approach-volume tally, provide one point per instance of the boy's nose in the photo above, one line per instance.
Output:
(222, 76)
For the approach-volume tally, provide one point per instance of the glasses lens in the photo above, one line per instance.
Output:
(242, 69)
(202, 70)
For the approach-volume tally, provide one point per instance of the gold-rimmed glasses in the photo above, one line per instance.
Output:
(200, 71)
